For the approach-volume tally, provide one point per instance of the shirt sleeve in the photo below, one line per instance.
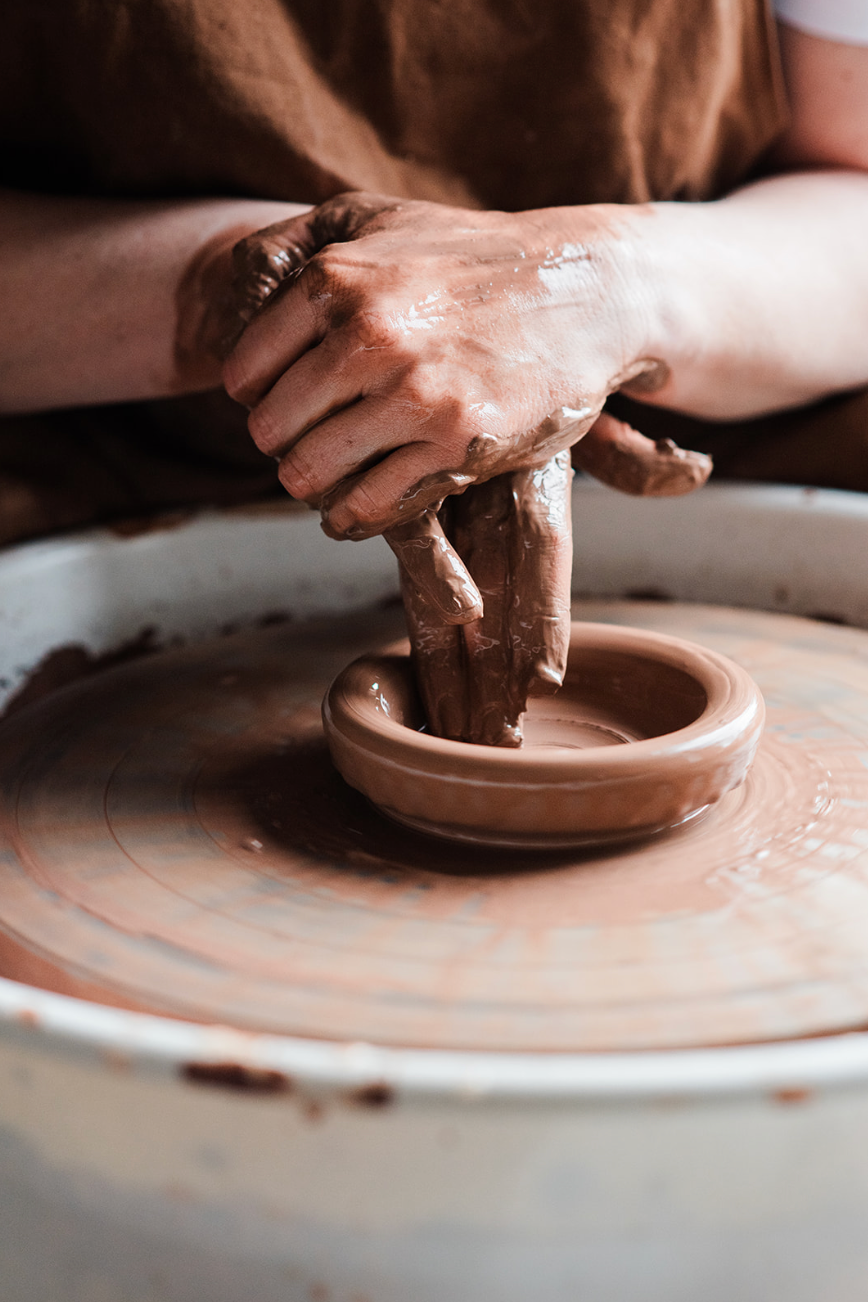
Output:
(836, 20)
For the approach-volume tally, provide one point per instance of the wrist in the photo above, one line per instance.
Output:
(680, 272)
(603, 260)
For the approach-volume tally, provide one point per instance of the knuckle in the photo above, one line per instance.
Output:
(372, 328)
(377, 330)
(419, 388)
(245, 251)
(296, 479)
(369, 504)
(237, 381)
(459, 411)
(264, 429)
(327, 268)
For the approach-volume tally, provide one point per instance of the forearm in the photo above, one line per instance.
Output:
(101, 297)
(760, 300)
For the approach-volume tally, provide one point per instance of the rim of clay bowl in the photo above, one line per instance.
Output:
(444, 787)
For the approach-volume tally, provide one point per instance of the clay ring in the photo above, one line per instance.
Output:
(646, 733)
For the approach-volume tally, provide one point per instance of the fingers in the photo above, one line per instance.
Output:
(332, 416)
(542, 561)
(430, 564)
(438, 660)
(624, 459)
(286, 326)
(513, 534)
(483, 533)
(461, 670)
(401, 487)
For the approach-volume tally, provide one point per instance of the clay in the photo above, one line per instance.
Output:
(130, 803)
(237, 1077)
(646, 733)
(514, 533)
(67, 664)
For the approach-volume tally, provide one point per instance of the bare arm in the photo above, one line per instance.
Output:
(768, 288)
(92, 291)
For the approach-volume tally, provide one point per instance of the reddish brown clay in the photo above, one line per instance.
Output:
(173, 837)
(647, 731)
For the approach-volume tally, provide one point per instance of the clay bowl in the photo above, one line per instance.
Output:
(646, 732)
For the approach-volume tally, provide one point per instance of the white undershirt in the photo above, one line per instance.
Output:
(836, 20)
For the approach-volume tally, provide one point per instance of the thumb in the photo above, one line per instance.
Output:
(622, 458)
(261, 262)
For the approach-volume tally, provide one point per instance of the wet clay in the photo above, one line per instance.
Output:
(684, 724)
(174, 834)
(435, 572)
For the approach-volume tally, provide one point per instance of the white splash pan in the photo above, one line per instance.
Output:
(726, 1175)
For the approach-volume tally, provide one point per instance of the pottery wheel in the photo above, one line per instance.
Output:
(174, 838)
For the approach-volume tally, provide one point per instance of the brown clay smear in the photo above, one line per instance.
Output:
(174, 835)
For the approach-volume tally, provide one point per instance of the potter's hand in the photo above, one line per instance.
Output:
(262, 262)
(513, 532)
(414, 349)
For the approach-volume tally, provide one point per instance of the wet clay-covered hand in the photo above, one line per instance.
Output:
(513, 533)
(413, 349)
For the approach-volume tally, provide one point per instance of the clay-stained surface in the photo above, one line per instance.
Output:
(173, 833)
